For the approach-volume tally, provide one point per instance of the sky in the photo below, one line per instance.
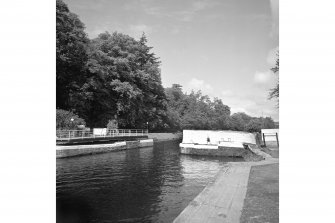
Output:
(225, 48)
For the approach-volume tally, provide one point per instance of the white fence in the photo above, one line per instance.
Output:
(98, 133)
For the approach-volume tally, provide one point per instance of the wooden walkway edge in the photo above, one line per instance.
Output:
(222, 200)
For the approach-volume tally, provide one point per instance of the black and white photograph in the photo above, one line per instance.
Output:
(167, 111)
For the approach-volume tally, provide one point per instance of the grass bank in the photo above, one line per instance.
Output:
(261, 203)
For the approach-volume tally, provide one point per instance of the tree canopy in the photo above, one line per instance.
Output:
(124, 82)
(274, 92)
(198, 111)
(115, 80)
(71, 55)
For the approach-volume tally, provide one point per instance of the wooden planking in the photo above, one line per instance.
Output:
(222, 200)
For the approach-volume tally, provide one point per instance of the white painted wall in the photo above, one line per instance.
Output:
(99, 131)
(200, 136)
(272, 132)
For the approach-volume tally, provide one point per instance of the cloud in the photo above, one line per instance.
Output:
(138, 29)
(255, 105)
(239, 109)
(186, 14)
(197, 84)
(226, 93)
(262, 77)
(196, 6)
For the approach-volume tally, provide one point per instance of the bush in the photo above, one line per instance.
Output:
(63, 120)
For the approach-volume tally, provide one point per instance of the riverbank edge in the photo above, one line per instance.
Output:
(83, 150)
(261, 203)
(214, 204)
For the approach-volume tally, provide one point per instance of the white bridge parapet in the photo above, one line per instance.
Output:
(218, 143)
(217, 137)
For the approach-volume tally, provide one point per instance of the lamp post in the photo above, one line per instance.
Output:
(147, 127)
(72, 119)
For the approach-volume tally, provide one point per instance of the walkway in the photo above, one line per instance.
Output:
(222, 200)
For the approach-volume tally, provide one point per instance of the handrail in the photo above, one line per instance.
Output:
(77, 134)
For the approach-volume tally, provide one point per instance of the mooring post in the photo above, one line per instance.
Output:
(277, 139)
(264, 140)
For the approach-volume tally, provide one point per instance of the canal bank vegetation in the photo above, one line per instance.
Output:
(115, 80)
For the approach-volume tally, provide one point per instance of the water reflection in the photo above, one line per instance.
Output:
(139, 185)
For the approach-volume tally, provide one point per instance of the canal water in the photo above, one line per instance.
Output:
(151, 184)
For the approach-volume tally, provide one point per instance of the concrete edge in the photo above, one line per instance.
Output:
(229, 208)
(81, 150)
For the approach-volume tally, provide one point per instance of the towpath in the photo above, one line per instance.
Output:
(223, 199)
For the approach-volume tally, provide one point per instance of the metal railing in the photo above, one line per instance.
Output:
(99, 133)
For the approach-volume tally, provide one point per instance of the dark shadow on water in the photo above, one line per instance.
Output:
(214, 158)
(72, 209)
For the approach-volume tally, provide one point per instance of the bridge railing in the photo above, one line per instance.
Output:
(98, 133)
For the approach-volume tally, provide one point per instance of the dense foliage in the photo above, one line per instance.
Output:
(197, 111)
(124, 83)
(114, 80)
(71, 55)
(274, 92)
(68, 120)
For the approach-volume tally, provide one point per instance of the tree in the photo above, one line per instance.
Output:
(115, 80)
(67, 120)
(220, 115)
(255, 125)
(236, 122)
(112, 124)
(124, 82)
(195, 111)
(274, 92)
(268, 123)
(175, 106)
(71, 55)
(239, 120)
